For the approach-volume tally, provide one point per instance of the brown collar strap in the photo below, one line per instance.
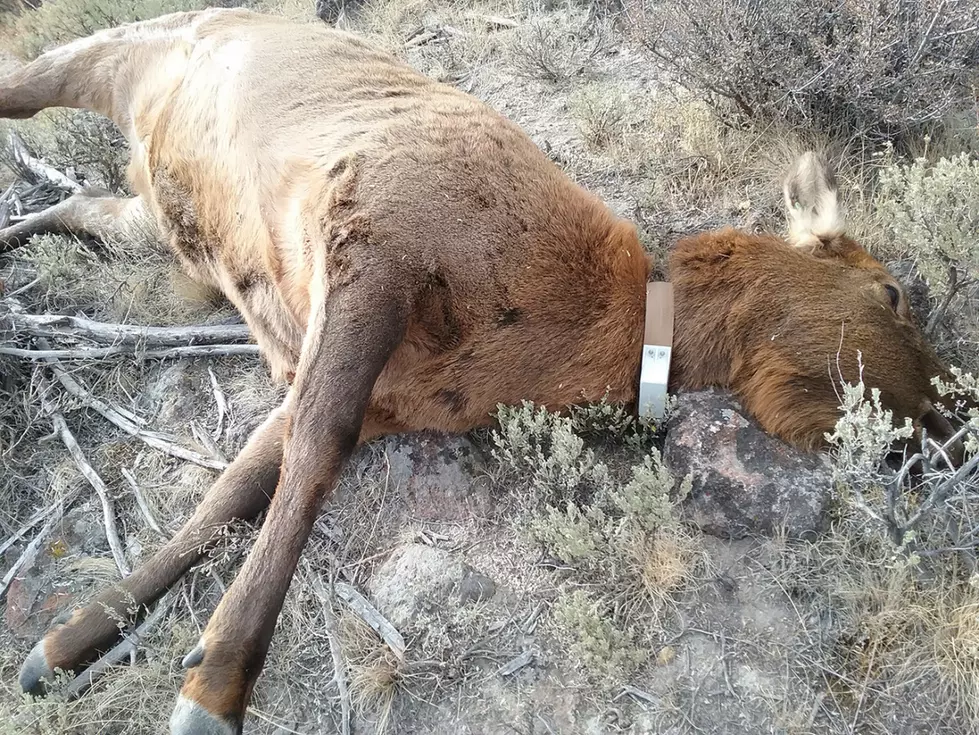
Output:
(657, 345)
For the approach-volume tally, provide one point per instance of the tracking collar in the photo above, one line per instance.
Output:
(657, 346)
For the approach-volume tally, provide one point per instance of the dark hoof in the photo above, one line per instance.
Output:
(35, 671)
(195, 657)
(189, 718)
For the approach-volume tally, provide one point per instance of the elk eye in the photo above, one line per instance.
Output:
(893, 294)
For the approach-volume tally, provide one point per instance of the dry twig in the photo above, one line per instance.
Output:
(98, 353)
(39, 170)
(144, 507)
(51, 325)
(369, 614)
(220, 400)
(128, 423)
(108, 514)
(32, 521)
(30, 552)
(339, 665)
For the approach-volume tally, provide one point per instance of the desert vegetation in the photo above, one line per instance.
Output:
(613, 613)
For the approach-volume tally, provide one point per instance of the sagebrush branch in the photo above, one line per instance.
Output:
(25, 559)
(336, 651)
(37, 169)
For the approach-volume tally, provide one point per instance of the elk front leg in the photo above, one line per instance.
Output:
(242, 492)
(344, 351)
(104, 218)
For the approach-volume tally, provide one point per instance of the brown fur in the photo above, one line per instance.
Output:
(408, 259)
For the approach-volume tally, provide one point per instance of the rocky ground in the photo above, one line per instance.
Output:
(736, 591)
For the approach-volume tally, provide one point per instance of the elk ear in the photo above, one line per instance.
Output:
(812, 201)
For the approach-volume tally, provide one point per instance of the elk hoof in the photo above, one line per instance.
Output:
(35, 670)
(195, 657)
(189, 718)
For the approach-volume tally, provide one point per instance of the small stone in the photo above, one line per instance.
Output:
(476, 587)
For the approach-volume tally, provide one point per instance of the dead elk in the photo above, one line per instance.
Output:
(408, 259)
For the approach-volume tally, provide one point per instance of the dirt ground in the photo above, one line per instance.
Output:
(758, 635)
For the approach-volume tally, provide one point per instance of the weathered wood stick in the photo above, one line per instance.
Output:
(31, 551)
(98, 353)
(108, 513)
(369, 614)
(162, 442)
(53, 325)
(336, 651)
(41, 171)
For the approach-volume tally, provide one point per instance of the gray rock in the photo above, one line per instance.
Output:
(418, 580)
(439, 475)
(744, 480)
(475, 587)
(414, 581)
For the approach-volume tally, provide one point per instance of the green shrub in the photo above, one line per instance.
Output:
(601, 518)
(932, 209)
(606, 654)
(543, 448)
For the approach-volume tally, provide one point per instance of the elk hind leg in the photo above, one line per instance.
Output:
(346, 347)
(242, 491)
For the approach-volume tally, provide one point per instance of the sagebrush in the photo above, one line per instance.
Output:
(864, 69)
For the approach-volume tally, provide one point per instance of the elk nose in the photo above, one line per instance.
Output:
(941, 435)
(956, 453)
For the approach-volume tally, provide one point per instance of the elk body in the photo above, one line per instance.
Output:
(408, 259)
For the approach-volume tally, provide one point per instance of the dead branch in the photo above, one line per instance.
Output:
(115, 415)
(26, 287)
(125, 648)
(108, 514)
(98, 353)
(638, 694)
(207, 441)
(30, 552)
(75, 327)
(33, 521)
(496, 22)
(144, 507)
(369, 614)
(220, 400)
(515, 664)
(38, 170)
(339, 665)
(938, 316)
(940, 494)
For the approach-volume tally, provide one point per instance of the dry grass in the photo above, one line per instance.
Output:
(375, 672)
(667, 562)
(131, 282)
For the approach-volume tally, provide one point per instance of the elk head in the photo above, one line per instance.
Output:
(784, 322)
